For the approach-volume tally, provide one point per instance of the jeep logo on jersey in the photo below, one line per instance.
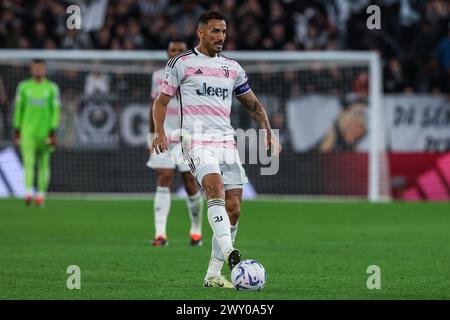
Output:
(213, 91)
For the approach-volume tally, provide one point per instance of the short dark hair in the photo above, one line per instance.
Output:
(210, 15)
(175, 40)
(38, 61)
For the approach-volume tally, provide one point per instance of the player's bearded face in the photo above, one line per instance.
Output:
(213, 35)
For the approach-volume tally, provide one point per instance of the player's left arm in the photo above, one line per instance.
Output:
(259, 115)
(55, 111)
(20, 102)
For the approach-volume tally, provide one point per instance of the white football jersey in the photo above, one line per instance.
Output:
(172, 121)
(204, 87)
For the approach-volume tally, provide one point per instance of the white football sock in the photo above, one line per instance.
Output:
(161, 209)
(220, 224)
(215, 264)
(217, 258)
(233, 231)
(195, 208)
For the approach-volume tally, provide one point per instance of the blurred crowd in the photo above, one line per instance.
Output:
(414, 39)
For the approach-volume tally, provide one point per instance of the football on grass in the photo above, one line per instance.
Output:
(248, 275)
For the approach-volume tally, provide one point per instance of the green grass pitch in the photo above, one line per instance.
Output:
(310, 250)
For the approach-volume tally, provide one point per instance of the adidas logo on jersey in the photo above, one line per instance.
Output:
(198, 71)
(213, 91)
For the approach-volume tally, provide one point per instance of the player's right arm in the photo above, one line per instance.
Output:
(159, 115)
(18, 112)
(169, 85)
(151, 123)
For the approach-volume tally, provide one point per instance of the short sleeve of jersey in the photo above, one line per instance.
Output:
(172, 76)
(241, 85)
(155, 85)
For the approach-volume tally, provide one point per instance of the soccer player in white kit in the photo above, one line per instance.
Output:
(204, 81)
(166, 163)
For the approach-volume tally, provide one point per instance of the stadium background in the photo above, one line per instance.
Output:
(413, 44)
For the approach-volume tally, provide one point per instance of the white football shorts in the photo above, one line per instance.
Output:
(170, 159)
(205, 160)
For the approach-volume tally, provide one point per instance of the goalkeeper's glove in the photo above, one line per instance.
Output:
(51, 140)
(17, 136)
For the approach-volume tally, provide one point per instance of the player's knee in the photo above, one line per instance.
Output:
(213, 187)
(215, 190)
(233, 209)
(165, 180)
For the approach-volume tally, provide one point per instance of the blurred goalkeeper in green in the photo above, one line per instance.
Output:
(36, 118)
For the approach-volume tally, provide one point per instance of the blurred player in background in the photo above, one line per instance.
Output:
(36, 117)
(166, 163)
(204, 81)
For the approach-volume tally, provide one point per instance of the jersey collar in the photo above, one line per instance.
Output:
(198, 53)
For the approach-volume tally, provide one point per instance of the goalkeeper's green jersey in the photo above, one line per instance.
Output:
(37, 108)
